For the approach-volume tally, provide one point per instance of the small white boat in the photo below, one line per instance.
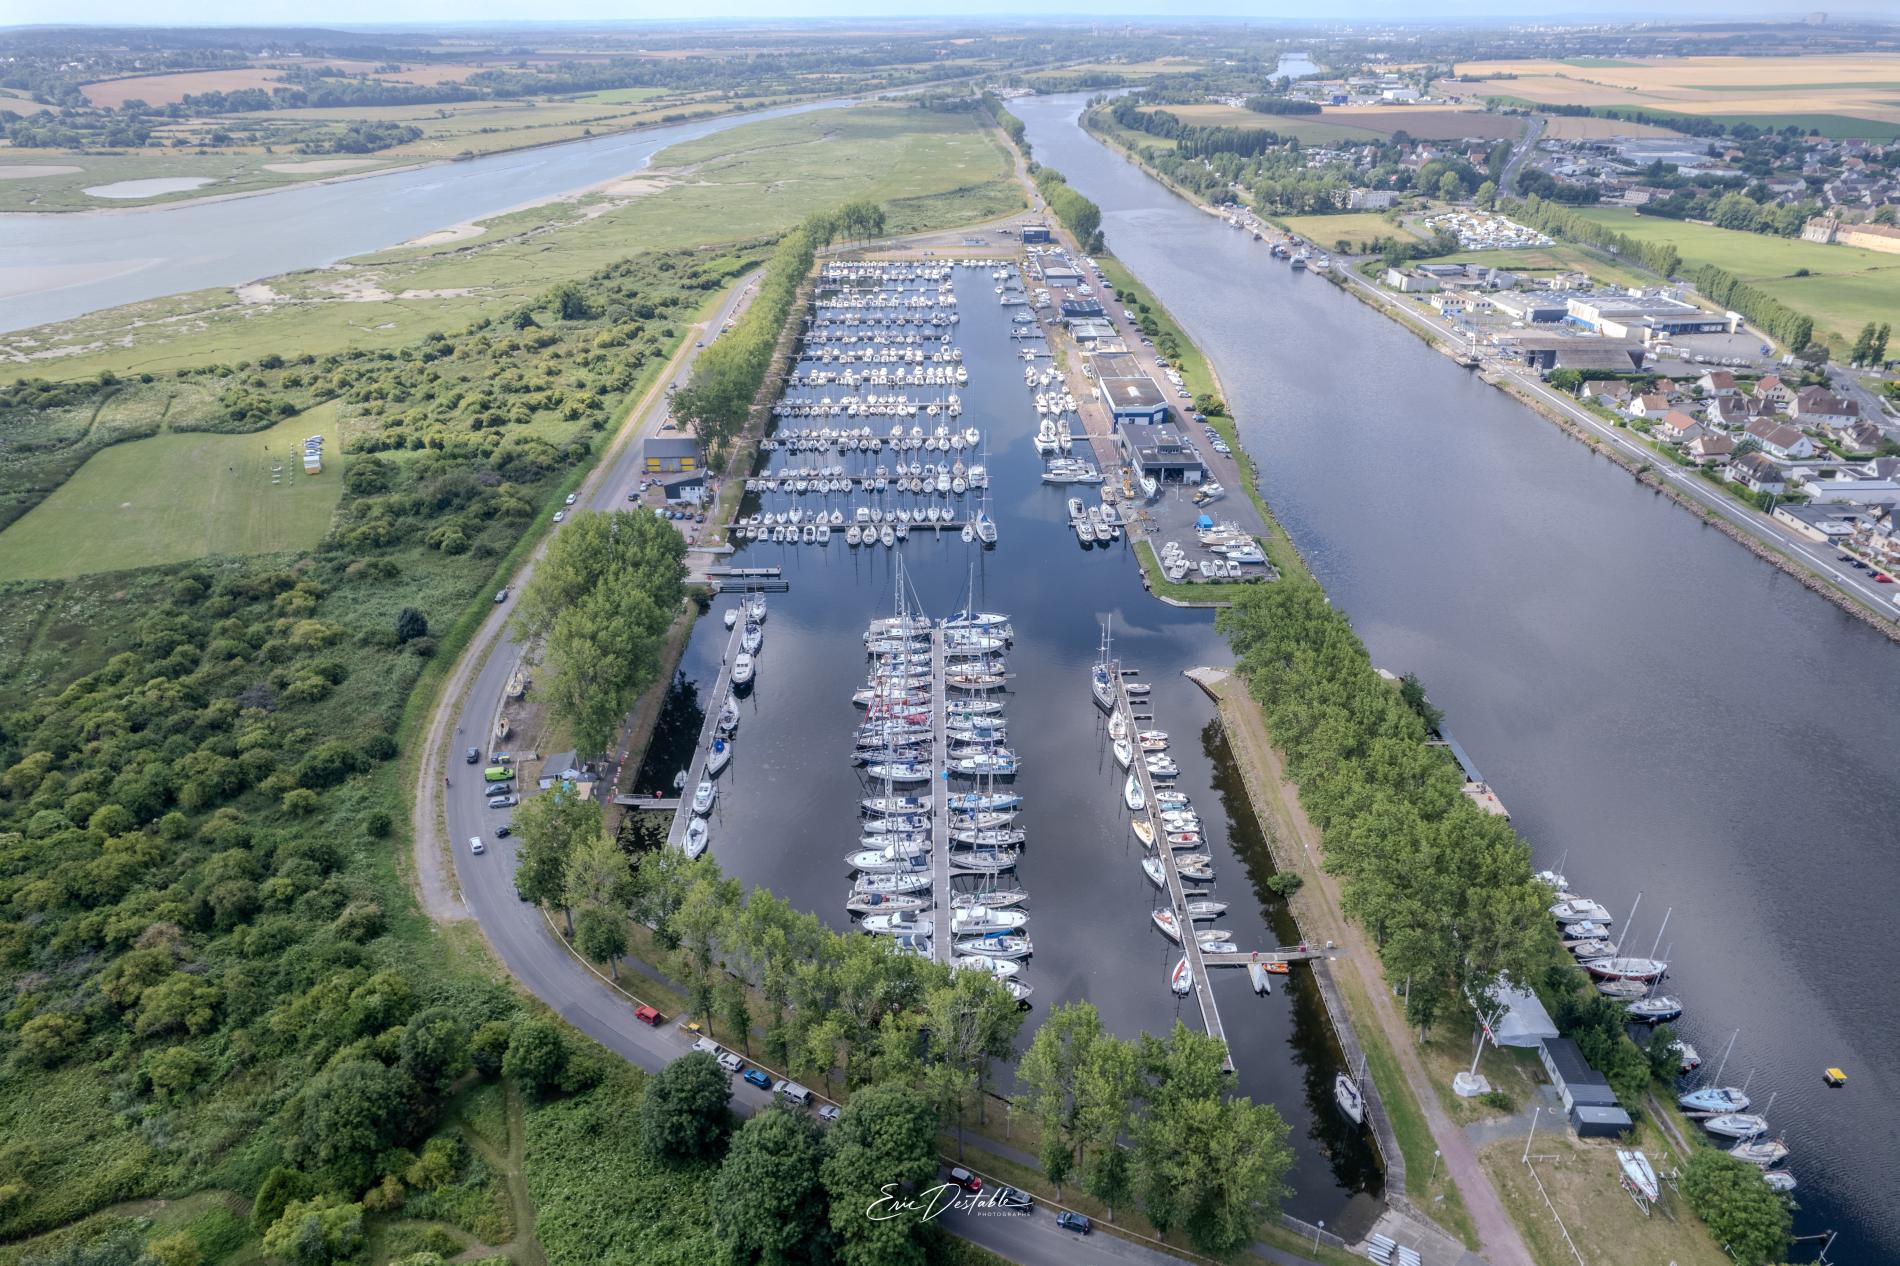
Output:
(703, 796)
(1181, 979)
(1118, 726)
(718, 758)
(1157, 874)
(1001, 968)
(752, 639)
(1124, 754)
(1144, 831)
(741, 669)
(1760, 1151)
(698, 835)
(728, 715)
(898, 924)
(1638, 1174)
(1580, 910)
(1737, 1125)
(1170, 927)
(1725, 1099)
(732, 616)
(1206, 909)
(1132, 794)
(1346, 1094)
(1779, 1180)
(977, 920)
(1003, 946)
(1260, 978)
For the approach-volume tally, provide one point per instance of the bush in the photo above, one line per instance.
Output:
(317, 1232)
(536, 1056)
(686, 1113)
(1743, 1213)
(1284, 882)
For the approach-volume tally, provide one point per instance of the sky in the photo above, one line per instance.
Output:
(386, 12)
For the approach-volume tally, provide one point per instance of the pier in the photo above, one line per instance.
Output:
(940, 799)
(683, 807)
(1177, 895)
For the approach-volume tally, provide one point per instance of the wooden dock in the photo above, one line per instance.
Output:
(1177, 896)
(646, 802)
(683, 807)
(940, 799)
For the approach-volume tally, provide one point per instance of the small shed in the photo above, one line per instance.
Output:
(1586, 1095)
(1592, 1122)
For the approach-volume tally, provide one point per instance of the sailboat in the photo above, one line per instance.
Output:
(1639, 1175)
(1719, 1099)
(1132, 794)
(1181, 979)
(1347, 1095)
(1157, 874)
(1101, 676)
(1169, 925)
(728, 716)
(698, 835)
(719, 757)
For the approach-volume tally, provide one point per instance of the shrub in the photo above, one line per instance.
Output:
(536, 1055)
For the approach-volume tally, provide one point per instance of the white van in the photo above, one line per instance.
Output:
(792, 1092)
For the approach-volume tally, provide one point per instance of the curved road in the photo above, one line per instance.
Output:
(455, 884)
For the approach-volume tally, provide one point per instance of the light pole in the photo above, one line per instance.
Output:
(1433, 1178)
(1316, 1231)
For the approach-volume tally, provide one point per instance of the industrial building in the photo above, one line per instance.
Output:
(1587, 1098)
(670, 454)
(1035, 233)
(1162, 453)
(1130, 394)
(1559, 352)
(1646, 317)
(1533, 307)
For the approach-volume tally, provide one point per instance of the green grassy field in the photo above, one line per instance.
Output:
(1846, 286)
(164, 500)
(1357, 227)
(930, 170)
(1555, 258)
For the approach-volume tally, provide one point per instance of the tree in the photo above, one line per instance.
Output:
(346, 1117)
(1877, 353)
(734, 1011)
(1746, 1216)
(434, 1049)
(1212, 1167)
(317, 1232)
(686, 1111)
(600, 935)
(884, 1143)
(1487, 196)
(410, 625)
(537, 1055)
(1107, 1082)
(767, 1204)
(1048, 1069)
(551, 828)
(1863, 349)
(1814, 355)
(1450, 188)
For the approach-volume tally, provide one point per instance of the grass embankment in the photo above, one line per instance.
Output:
(929, 170)
(1844, 287)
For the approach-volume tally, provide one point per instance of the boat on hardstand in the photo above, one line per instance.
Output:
(698, 836)
(1181, 979)
(1638, 1174)
(1132, 794)
(1346, 1094)
(1737, 1125)
(1714, 1099)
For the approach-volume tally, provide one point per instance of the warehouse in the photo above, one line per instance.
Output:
(1587, 1098)
(1161, 453)
(1130, 394)
(670, 455)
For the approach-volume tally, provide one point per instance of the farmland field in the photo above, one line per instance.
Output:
(1356, 124)
(1851, 95)
(1311, 129)
(1358, 228)
(1846, 286)
(1585, 127)
(164, 500)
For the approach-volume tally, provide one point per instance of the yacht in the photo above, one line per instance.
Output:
(742, 669)
(698, 835)
(901, 923)
(1580, 910)
(976, 920)
(1721, 1099)
(707, 792)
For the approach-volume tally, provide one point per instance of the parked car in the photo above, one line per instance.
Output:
(572, 497)
(473, 756)
(503, 802)
(792, 1092)
(829, 1113)
(476, 846)
(503, 831)
(498, 773)
(756, 1078)
(1013, 1198)
(730, 1062)
(648, 1016)
(501, 596)
(1073, 1222)
(707, 1045)
(560, 516)
(965, 1179)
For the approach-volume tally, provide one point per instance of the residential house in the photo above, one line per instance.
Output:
(1717, 382)
(1817, 406)
(1778, 439)
(1757, 472)
(1855, 437)
(1707, 450)
(1650, 405)
(1613, 392)
(1678, 427)
(1772, 388)
(1830, 525)
(1728, 412)
(1876, 538)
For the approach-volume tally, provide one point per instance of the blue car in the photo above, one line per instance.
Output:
(758, 1079)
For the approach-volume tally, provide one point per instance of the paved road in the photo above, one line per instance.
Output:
(1533, 130)
(520, 935)
(1818, 558)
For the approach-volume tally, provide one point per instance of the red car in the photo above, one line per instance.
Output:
(1882, 578)
(648, 1016)
(965, 1179)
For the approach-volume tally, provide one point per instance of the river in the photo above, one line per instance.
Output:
(1659, 710)
(54, 267)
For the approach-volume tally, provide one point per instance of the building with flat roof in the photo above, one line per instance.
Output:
(670, 454)
(1529, 306)
(1129, 392)
(1035, 233)
(1162, 453)
(1647, 317)
(1586, 1095)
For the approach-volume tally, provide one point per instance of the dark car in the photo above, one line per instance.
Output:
(503, 831)
(1073, 1222)
(1013, 1198)
(473, 756)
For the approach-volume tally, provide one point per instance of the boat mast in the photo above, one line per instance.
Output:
(1725, 1054)
(1659, 933)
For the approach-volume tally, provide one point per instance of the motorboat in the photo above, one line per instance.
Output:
(703, 797)
(1580, 910)
(1181, 979)
(1001, 968)
(1717, 1099)
(1216, 947)
(1760, 1151)
(741, 669)
(719, 757)
(1169, 925)
(1586, 931)
(1687, 1057)
(698, 835)
(1183, 839)
(913, 946)
(1200, 872)
(1157, 874)
(1347, 1095)
(1737, 1125)
(998, 946)
(1172, 801)
(1657, 1010)
(979, 919)
(1779, 1181)
(732, 616)
(1593, 949)
(728, 716)
(1132, 794)
(1638, 1174)
(898, 924)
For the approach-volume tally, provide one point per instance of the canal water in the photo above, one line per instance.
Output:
(57, 266)
(787, 812)
(1662, 713)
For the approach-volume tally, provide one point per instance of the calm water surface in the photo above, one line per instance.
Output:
(787, 812)
(1659, 710)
